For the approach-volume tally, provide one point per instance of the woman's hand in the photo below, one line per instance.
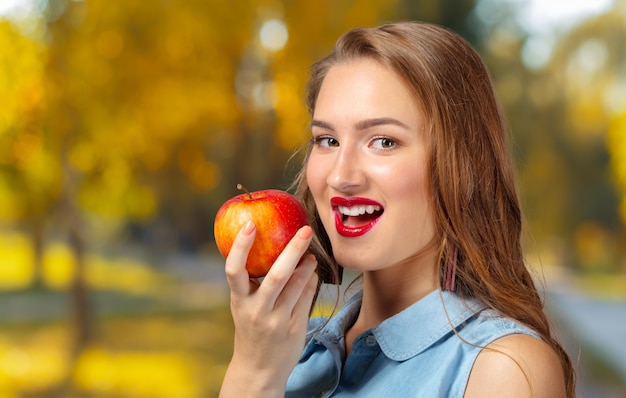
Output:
(270, 318)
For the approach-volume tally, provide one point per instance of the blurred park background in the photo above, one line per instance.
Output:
(124, 125)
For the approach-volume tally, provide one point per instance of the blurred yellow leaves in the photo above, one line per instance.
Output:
(83, 157)
(59, 267)
(202, 172)
(138, 356)
(21, 67)
(28, 172)
(92, 114)
(291, 129)
(594, 65)
(115, 102)
(31, 367)
(9, 203)
(616, 142)
(136, 374)
(112, 193)
(586, 82)
(109, 44)
(594, 247)
(17, 261)
(37, 364)
(126, 275)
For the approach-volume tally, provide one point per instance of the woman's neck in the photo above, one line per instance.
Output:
(388, 291)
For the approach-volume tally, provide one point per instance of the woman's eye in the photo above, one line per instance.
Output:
(325, 142)
(383, 143)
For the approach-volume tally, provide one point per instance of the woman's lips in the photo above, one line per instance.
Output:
(355, 216)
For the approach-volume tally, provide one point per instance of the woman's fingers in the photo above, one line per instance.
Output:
(235, 267)
(283, 268)
(286, 284)
(296, 288)
(305, 300)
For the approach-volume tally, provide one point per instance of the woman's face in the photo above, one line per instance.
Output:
(367, 170)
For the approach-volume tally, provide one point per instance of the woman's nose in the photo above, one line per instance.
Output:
(346, 173)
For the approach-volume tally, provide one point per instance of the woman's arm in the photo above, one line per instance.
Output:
(516, 366)
(270, 317)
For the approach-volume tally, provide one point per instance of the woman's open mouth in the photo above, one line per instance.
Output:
(355, 216)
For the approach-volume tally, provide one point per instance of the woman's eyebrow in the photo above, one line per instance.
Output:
(363, 124)
(322, 125)
(380, 121)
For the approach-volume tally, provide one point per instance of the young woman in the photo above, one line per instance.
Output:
(408, 180)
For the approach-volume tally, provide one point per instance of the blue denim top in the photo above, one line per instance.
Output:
(415, 353)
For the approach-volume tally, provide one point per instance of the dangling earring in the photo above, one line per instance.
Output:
(450, 268)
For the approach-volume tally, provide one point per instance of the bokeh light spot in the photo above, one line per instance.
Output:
(274, 35)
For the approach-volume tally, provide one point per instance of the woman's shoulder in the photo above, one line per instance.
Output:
(520, 365)
(488, 325)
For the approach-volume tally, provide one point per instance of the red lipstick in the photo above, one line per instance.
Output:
(355, 216)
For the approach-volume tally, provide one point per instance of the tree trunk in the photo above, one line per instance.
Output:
(36, 239)
(80, 307)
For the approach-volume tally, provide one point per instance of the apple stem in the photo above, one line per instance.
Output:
(242, 188)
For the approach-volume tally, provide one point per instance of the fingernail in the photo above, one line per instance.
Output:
(248, 228)
(305, 232)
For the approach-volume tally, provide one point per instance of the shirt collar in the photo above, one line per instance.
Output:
(334, 328)
(409, 332)
(422, 324)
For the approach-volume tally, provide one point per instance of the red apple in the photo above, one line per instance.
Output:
(277, 215)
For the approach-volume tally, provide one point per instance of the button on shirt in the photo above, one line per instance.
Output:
(415, 353)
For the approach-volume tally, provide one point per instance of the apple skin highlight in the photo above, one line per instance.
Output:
(277, 214)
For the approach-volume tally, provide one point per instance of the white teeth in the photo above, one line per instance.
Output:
(358, 210)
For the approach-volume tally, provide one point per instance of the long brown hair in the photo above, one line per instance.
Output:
(472, 180)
